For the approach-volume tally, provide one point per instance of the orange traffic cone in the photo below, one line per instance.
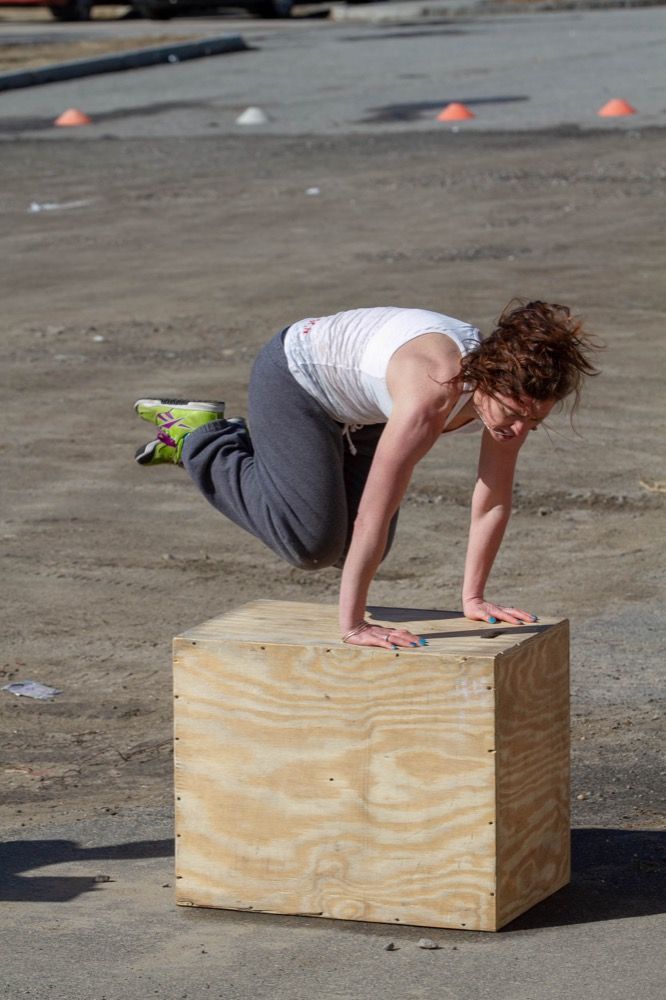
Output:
(455, 112)
(616, 108)
(73, 117)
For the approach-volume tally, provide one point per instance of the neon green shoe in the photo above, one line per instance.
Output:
(167, 412)
(174, 419)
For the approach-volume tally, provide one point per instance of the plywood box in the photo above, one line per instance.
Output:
(428, 786)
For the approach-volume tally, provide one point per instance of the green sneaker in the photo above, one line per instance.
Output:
(165, 412)
(156, 453)
(174, 419)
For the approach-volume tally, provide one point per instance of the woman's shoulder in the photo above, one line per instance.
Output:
(466, 336)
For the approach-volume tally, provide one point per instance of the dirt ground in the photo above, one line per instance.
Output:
(22, 56)
(17, 52)
(165, 267)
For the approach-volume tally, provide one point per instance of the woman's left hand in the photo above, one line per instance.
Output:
(479, 610)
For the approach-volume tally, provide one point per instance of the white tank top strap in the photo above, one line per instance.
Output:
(406, 326)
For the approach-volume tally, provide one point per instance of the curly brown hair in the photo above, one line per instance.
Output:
(537, 350)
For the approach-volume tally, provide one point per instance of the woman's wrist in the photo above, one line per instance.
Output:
(355, 630)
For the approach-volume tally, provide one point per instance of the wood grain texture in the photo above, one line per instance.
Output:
(318, 778)
(532, 724)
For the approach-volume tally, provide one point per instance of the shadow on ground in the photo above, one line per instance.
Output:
(616, 874)
(416, 109)
(18, 856)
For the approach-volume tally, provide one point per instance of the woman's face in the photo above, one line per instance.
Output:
(507, 418)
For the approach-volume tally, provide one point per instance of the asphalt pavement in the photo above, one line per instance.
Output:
(515, 72)
(88, 914)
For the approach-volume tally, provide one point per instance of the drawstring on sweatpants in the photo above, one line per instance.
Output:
(347, 432)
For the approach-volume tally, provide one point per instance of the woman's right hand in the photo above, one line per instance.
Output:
(383, 636)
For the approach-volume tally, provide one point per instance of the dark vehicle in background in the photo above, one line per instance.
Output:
(163, 9)
(79, 10)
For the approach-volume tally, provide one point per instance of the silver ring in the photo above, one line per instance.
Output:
(387, 637)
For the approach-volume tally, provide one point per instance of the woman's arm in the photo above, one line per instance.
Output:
(491, 510)
(419, 379)
(409, 434)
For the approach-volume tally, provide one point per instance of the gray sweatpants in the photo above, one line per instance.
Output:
(295, 484)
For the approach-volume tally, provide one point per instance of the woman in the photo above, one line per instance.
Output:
(341, 409)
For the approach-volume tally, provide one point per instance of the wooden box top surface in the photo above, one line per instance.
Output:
(292, 623)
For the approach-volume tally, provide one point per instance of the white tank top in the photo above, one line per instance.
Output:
(341, 360)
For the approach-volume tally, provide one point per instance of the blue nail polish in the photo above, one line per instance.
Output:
(492, 620)
(413, 644)
(393, 646)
